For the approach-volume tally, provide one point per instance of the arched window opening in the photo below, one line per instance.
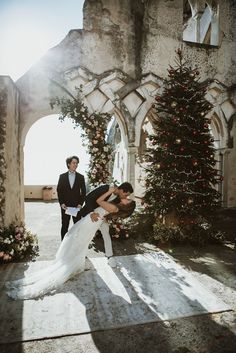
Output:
(48, 143)
(118, 165)
(201, 22)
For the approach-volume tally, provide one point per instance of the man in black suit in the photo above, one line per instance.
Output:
(71, 192)
(121, 192)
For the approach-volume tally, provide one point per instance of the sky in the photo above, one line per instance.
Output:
(28, 28)
(45, 154)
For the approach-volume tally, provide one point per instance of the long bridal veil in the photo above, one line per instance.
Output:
(69, 260)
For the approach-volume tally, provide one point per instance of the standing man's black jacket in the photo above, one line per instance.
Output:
(74, 196)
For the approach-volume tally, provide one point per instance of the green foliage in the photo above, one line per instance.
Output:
(199, 233)
(180, 171)
(17, 243)
(94, 134)
(138, 225)
(142, 226)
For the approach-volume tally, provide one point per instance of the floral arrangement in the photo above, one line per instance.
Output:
(94, 134)
(16, 243)
(119, 228)
(123, 228)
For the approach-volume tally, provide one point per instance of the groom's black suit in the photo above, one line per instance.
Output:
(91, 198)
(71, 197)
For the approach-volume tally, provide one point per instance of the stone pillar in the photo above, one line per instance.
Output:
(132, 152)
(226, 176)
(230, 176)
(10, 178)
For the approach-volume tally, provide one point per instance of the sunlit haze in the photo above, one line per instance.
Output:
(48, 143)
(28, 29)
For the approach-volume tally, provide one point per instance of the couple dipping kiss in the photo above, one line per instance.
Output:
(70, 257)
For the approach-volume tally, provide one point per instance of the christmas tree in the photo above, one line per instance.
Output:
(180, 173)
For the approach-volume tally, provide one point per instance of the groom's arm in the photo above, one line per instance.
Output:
(93, 195)
(91, 198)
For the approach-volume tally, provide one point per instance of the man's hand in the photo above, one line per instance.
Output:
(63, 206)
(112, 189)
(94, 216)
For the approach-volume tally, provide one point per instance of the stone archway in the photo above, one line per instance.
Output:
(113, 92)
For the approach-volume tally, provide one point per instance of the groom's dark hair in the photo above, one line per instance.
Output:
(126, 187)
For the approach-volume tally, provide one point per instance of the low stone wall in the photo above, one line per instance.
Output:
(35, 192)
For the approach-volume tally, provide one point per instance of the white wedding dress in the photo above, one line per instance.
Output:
(70, 260)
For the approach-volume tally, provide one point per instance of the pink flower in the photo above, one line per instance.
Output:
(6, 257)
(18, 236)
(1, 254)
(116, 236)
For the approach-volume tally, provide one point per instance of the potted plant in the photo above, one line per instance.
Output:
(47, 193)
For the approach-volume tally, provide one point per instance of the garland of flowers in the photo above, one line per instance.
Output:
(3, 98)
(94, 131)
(16, 243)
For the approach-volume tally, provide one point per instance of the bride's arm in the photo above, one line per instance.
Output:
(109, 207)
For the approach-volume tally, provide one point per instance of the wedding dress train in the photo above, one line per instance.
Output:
(70, 260)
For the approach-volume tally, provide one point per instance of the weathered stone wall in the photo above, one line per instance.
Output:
(13, 176)
(35, 192)
(163, 29)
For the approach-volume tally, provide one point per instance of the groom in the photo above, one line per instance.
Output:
(121, 192)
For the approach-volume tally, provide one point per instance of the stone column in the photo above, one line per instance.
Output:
(11, 183)
(132, 152)
(230, 177)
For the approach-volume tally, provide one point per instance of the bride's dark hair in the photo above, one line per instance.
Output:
(124, 210)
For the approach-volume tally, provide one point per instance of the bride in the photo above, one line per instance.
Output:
(70, 257)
